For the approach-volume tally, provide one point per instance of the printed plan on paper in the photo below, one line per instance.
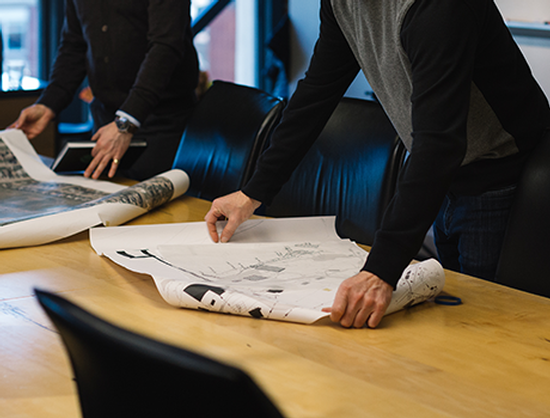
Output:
(285, 269)
(38, 206)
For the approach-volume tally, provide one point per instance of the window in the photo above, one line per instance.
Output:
(235, 41)
(19, 29)
(215, 43)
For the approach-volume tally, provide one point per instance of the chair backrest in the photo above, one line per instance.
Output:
(123, 374)
(224, 136)
(351, 171)
(524, 259)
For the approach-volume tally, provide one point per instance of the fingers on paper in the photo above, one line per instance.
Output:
(33, 120)
(227, 207)
(114, 167)
(362, 299)
(26, 125)
(93, 169)
(211, 218)
(20, 121)
(350, 309)
(98, 165)
(376, 317)
(229, 229)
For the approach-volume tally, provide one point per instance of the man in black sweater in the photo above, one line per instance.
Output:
(142, 68)
(463, 100)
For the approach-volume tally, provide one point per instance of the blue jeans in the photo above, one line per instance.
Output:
(469, 231)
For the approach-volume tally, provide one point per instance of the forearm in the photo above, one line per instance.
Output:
(69, 69)
(413, 209)
(168, 47)
(332, 69)
(441, 72)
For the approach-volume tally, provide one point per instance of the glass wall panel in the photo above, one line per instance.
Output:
(216, 43)
(19, 26)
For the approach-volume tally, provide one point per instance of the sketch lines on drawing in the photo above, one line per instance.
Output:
(260, 280)
(269, 265)
(283, 269)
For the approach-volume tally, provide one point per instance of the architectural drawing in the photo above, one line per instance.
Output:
(286, 280)
(146, 195)
(39, 206)
(22, 197)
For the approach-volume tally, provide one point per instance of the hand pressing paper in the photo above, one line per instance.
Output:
(285, 269)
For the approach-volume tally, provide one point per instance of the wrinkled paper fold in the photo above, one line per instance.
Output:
(285, 269)
(38, 206)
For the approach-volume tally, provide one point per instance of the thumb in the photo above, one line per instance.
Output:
(229, 229)
(20, 121)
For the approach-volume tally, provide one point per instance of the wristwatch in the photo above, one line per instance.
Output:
(124, 125)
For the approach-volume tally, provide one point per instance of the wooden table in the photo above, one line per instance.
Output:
(489, 357)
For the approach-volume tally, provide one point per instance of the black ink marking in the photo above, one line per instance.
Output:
(133, 257)
(147, 254)
(256, 313)
(198, 291)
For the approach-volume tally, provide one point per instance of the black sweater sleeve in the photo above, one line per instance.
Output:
(69, 69)
(169, 44)
(138, 55)
(441, 43)
(332, 69)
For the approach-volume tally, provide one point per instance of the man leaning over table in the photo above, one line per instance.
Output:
(463, 100)
(142, 68)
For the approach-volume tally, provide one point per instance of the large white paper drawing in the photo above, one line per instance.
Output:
(284, 269)
(38, 206)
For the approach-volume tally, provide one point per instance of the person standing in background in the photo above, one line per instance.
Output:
(142, 68)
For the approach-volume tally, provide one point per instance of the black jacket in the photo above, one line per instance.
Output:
(138, 55)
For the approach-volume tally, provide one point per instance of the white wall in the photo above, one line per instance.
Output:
(536, 50)
(304, 15)
(526, 10)
(537, 53)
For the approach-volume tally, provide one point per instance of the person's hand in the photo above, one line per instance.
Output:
(361, 299)
(111, 144)
(33, 120)
(236, 208)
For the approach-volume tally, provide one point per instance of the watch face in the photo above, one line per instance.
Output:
(122, 124)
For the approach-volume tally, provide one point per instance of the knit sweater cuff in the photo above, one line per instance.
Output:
(385, 266)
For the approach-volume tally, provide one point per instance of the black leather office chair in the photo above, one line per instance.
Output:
(525, 260)
(224, 136)
(122, 374)
(351, 172)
